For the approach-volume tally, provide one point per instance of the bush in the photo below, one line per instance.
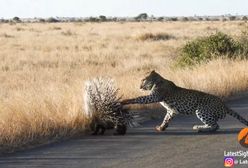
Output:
(16, 19)
(103, 18)
(206, 48)
(42, 20)
(244, 18)
(4, 21)
(160, 19)
(52, 20)
(243, 44)
(142, 16)
(155, 37)
(174, 19)
(185, 19)
(93, 19)
(232, 18)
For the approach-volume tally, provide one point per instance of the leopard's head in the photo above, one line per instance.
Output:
(150, 81)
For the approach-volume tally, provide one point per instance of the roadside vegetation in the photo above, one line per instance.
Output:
(43, 68)
(217, 45)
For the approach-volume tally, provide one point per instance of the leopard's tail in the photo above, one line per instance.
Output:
(237, 116)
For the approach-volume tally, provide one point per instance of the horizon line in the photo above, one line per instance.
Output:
(149, 15)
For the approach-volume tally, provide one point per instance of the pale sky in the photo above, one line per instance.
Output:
(84, 8)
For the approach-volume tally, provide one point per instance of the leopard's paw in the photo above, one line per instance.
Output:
(159, 128)
(196, 127)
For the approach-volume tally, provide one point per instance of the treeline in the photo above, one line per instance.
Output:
(143, 17)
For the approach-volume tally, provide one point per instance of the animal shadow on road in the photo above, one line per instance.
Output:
(184, 132)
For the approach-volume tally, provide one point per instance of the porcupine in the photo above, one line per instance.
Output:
(102, 105)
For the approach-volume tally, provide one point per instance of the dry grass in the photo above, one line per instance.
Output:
(219, 77)
(43, 68)
(155, 37)
(38, 118)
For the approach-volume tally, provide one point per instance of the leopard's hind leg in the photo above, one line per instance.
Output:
(209, 120)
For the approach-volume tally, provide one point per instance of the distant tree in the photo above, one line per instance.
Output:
(94, 19)
(160, 19)
(79, 20)
(173, 19)
(207, 19)
(114, 19)
(232, 18)
(3, 21)
(244, 18)
(52, 20)
(142, 16)
(16, 19)
(224, 19)
(103, 18)
(42, 20)
(185, 19)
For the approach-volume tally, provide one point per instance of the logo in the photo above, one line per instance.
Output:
(243, 137)
(228, 162)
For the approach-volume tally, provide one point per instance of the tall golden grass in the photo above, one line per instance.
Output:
(43, 67)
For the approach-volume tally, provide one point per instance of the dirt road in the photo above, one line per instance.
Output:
(142, 147)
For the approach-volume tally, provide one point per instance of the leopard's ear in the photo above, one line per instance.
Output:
(153, 72)
(150, 72)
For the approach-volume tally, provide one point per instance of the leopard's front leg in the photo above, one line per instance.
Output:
(168, 117)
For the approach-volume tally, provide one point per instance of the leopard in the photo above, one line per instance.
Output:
(208, 108)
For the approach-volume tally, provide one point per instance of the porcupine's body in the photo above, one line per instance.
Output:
(99, 126)
(102, 105)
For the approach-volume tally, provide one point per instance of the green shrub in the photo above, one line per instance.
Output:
(243, 42)
(204, 49)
